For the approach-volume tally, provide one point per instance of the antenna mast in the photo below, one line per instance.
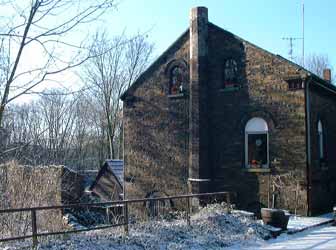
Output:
(292, 39)
(303, 44)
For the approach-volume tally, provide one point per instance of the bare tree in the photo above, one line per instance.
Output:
(42, 29)
(56, 128)
(111, 73)
(59, 118)
(316, 63)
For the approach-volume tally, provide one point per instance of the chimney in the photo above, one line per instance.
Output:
(327, 75)
(199, 172)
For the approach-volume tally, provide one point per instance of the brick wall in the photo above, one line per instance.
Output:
(156, 127)
(263, 93)
(322, 174)
(156, 131)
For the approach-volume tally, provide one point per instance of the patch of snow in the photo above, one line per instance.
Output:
(318, 238)
(299, 223)
(211, 228)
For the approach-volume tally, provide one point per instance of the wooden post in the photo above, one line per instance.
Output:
(296, 197)
(228, 201)
(269, 191)
(157, 209)
(126, 218)
(188, 211)
(107, 215)
(273, 196)
(34, 228)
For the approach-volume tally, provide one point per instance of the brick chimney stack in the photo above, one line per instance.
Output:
(327, 75)
(199, 172)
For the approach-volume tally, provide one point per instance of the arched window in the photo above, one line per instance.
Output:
(177, 72)
(230, 72)
(256, 143)
(176, 80)
(320, 139)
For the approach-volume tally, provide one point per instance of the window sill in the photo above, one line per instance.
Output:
(229, 89)
(257, 170)
(177, 96)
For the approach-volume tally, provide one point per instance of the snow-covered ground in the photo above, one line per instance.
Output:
(323, 237)
(298, 223)
(211, 228)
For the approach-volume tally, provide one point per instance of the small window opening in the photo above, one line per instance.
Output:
(176, 81)
(295, 85)
(230, 73)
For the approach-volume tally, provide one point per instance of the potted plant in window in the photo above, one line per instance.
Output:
(256, 164)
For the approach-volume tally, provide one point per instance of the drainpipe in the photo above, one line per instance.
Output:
(308, 143)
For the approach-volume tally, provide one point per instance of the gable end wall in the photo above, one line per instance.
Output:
(263, 93)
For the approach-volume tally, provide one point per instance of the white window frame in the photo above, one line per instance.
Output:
(247, 133)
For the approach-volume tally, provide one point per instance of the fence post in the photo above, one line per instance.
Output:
(228, 201)
(188, 211)
(157, 209)
(126, 218)
(34, 228)
(107, 215)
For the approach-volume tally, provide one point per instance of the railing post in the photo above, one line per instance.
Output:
(157, 209)
(34, 228)
(188, 211)
(126, 218)
(228, 201)
(107, 215)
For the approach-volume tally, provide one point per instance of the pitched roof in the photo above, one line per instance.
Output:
(154, 65)
(162, 57)
(109, 181)
(308, 72)
(117, 168)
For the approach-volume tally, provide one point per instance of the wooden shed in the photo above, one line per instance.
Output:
(108, 184)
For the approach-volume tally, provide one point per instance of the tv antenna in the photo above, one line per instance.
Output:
(291, 45)
(292, 39)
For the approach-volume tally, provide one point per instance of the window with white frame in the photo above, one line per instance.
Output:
(320, 139)
(256, 143)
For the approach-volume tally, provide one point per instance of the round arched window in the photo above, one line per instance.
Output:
(256, 143)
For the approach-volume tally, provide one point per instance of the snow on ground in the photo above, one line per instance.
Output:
(298, 223)
(211, 228)
(318, 238)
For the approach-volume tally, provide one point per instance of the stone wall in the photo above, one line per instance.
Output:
(156, 130)
(322, 174)
(156, 127)
(264, 93)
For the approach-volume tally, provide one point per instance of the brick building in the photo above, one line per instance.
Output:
(217, 113)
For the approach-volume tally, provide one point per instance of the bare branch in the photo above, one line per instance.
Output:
(47, 23)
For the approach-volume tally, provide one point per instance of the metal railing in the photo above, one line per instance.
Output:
(124, 204)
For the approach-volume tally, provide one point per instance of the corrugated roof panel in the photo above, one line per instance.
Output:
(117, 167)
